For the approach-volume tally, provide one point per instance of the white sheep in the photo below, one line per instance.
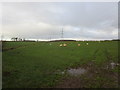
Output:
(86, 43)
(78, 44)
(60, 45)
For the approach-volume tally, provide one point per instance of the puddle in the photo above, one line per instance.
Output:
(76, 72)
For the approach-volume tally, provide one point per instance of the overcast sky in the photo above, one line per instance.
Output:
(39, 20)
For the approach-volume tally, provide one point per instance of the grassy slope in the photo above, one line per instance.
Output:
(35, 64)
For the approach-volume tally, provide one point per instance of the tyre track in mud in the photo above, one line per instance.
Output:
(107, 54)
(12, 48)
(95, 53)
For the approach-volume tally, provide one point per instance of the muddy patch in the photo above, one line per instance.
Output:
(7, 49)
(76, 72)
(91, 76)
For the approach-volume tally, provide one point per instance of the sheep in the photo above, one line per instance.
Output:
(60, 45)
(86, 43)
(78, 45)
(64, 45)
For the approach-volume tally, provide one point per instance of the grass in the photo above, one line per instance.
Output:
(34, 64)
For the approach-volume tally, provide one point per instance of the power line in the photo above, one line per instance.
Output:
(62, 33)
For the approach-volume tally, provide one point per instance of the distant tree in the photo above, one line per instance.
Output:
(19, 39)
(14, 39)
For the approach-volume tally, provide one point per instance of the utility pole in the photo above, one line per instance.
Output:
(50, 38)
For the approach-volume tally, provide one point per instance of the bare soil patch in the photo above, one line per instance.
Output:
(95, 77)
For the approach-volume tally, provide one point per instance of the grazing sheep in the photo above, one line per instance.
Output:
(86, 43)
(64, 45)
(60, 45)
(78, 44)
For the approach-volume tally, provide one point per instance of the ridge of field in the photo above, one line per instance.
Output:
(34, 64)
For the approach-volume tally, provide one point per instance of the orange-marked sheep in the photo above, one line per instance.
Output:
(64, 45)
(78, 45)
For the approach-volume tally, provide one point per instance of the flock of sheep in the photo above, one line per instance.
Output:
(64, 45)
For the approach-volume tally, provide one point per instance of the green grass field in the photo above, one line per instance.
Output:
(35, 64)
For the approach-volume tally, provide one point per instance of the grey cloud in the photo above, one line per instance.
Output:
(44, 20)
